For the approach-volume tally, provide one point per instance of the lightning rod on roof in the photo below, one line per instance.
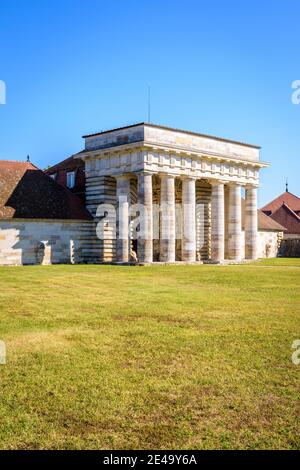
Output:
(287, 185)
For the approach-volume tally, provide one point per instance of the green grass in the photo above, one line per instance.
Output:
(165, 357)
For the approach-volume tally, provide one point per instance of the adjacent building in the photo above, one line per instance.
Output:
(285, 210)
(40, 220)
(70, 174)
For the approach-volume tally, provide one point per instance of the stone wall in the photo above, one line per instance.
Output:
(114, 138)
(203, 220)
(100, 190)
(51, 242)
(43, 241)
(268, 243)
(290, 246)
(171, 137)
(198, 142)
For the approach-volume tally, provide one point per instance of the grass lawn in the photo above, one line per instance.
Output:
(164, 357)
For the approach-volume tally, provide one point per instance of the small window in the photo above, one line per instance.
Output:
(71, 179)
(53, 176)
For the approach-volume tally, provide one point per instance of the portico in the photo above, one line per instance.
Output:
(177, 194)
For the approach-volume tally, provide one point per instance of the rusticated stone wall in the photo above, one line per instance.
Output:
(203, 220)
(43, 241)
(100, 190)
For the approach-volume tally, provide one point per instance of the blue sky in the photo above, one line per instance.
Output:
(223, 68)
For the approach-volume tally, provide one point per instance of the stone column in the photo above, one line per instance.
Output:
(251, 223)
(167, 217)
(189, 219)
(217, 221)
(145, 238)
(123, 201)
(226, 220)
(235, 223)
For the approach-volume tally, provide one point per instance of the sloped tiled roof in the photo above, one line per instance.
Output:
(61, 169)
(292, 201)
(263, 221)
(28, 193)
(266, 223)
(69, 163)
(287, 217)
(293, 213)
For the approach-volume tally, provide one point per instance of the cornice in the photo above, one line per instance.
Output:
(177, 150)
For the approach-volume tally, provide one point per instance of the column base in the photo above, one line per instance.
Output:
(225, 262)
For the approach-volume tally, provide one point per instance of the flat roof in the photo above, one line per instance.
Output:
(156, 126)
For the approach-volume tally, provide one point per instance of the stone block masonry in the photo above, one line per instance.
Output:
(44, 241)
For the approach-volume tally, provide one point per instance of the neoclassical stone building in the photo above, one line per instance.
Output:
(153, 165)
(142, 193)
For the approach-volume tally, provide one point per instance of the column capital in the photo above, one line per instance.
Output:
(251, 186)
(215, 182)
(123, 176)
(163, 174)
(188, 178)
(143, 173)
(234, 184)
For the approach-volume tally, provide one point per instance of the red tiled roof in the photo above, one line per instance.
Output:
(61, 169)
(267, 223)
(263, 221)
(70, 163)
(28, 193)
(288, 198)
(287, 217)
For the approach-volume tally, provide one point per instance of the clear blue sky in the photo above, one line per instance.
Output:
(218, 67)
